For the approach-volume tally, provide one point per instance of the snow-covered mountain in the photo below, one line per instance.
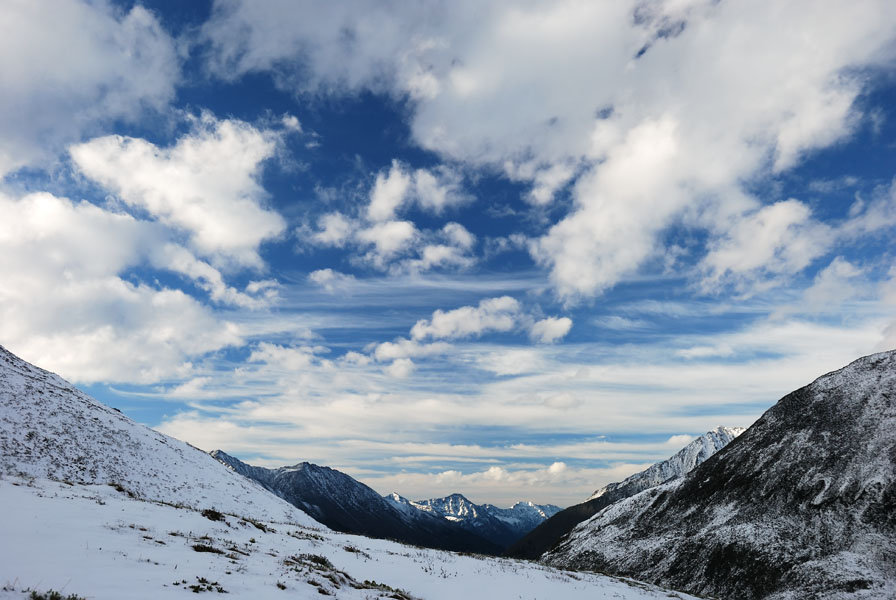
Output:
(523, 516)
(801, 505)
(154, 533)
(546, 535)
(345, 504)
(501, 526)
(678, 465)
(51, 430)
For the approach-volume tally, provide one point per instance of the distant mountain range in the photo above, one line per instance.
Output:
(501, 526)
(545, 536)
(801, 505)
(345, 504)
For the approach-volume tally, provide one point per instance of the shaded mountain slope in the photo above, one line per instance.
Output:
(345, 504)
(545, 536)
(802, 505)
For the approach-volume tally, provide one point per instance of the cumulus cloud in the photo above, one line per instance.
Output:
(492, 314)
(70, 65)
(333, 229)
(205, 185)
(388, 239)
(397, 246)
(780, 238)
(432, 191)
(64, 304)
(551, 329)
(400, 368)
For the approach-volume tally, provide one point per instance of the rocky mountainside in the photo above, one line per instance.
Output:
(801, 505)
(345, 504)
(545, 536)
(501, 526)
(51, 430)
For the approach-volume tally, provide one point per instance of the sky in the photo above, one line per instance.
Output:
(515, 250)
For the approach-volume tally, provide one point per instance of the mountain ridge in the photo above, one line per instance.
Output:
(546, 535)
(803, 504)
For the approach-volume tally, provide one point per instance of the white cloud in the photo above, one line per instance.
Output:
(68, 66)
(398, 246)
(432, 190)
(655, 129)
(206, 185)
(334, 229)
(511, 361)
(176, 258)
(388, 193)
(331, 280)
(780, 238)
(404, 348)
(389, 239)
(832, 286)
(492, 314)
(551, 329)
(680, 441)
(400, 368)
(295, 359)
(65, 306)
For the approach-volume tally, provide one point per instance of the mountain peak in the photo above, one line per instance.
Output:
(680, 463)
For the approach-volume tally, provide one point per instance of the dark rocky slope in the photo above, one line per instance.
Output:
(544, 537)
(802, 505)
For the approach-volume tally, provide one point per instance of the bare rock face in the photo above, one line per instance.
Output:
(801, 505)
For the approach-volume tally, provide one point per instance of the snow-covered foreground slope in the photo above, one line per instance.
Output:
(50, 429)
(99, 543)
(801, 505)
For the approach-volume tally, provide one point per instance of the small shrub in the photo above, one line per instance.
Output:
(281, 585)
(212, 515)
(206, 548)
(53, 595)
(321, 561)
(204, 585)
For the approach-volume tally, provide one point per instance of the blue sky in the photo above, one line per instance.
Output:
(511, 250)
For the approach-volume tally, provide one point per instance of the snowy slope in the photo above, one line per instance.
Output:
(100, 544)
(49, 429)
(546, 535)
(801, 505)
